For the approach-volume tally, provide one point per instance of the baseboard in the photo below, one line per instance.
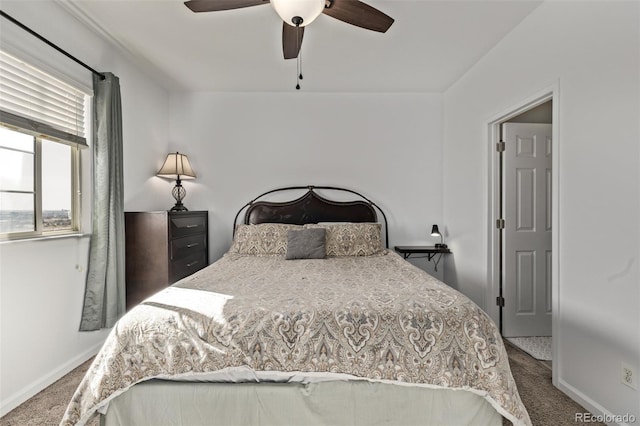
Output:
(32, 389)
(589, 404)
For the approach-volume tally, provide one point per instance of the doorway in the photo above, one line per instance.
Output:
(523, 202)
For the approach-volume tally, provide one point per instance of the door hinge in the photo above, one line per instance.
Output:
(500, 301)
(500, 224)
(501, 146)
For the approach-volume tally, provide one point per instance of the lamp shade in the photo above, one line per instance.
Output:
(308, 10)
(176, 166)
(435, 232)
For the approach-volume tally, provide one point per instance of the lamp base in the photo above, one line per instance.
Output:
(439, 245)
(179, 207)
(179, 193)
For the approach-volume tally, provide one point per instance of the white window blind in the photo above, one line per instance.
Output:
(39, 103)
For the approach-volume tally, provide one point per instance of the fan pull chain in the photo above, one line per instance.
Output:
(299, 58)
(300, 65)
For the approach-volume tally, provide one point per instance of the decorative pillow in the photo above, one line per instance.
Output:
(352, 239)
(264, 239)
(306, 244)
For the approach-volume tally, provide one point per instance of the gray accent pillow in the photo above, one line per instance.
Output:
(306, 244)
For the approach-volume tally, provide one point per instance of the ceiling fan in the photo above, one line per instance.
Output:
(296, 14)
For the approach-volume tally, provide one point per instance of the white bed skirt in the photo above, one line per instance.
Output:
(159, 402)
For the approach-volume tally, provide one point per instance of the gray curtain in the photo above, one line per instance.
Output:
(104, 298)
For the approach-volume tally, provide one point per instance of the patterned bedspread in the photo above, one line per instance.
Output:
(375, 317)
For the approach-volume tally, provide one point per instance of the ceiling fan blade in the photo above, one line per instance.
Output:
(216, 5)
(357, 13)
(291, 40)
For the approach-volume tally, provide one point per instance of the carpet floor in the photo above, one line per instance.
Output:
(547, 406)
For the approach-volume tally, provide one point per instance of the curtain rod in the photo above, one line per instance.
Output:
(33, 33)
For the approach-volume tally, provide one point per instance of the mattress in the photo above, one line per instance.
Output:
(373, 319)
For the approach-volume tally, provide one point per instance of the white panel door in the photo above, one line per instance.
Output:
(527, 233)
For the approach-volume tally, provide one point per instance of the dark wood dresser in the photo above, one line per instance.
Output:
(161, 248)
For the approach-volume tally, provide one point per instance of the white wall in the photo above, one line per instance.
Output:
(386, 146)
(591, 51)
(42, 282)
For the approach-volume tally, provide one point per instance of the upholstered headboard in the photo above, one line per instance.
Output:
(311, 208)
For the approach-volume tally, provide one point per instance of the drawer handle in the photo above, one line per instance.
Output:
(192, 226)
(192, 245)
(192, 263)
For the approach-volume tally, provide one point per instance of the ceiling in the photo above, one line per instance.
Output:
(430, 45)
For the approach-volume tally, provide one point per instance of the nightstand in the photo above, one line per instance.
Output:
(161, 248)
(428, 251)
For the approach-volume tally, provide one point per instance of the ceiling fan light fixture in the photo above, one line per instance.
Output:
(308, 10)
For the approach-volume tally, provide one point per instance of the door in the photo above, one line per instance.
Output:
(527, 230)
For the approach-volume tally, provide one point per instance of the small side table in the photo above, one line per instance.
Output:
(430, 251)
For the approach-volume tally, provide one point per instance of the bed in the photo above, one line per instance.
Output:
(308, 319)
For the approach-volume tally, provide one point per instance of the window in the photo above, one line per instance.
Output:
(41, 133)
